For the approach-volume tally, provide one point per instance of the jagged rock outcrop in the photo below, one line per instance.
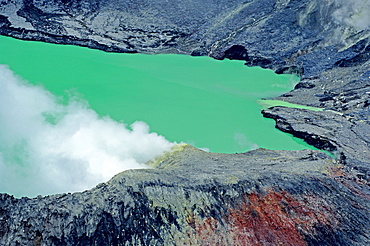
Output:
(191, 197)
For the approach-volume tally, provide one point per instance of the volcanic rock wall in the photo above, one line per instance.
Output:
(198, 198)
(191, 197)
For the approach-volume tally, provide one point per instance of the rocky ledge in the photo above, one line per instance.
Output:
(191, 197)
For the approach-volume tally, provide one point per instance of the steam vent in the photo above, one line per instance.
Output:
(188, 196)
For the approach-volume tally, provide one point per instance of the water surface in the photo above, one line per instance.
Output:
(198, 100)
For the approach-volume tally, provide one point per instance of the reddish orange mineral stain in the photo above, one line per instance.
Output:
(265, 220)
(276, 218)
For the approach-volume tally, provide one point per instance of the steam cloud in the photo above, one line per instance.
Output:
(47, 147)
(355, 13)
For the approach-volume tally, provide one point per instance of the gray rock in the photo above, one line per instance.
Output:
(196, 198)
(191, 197)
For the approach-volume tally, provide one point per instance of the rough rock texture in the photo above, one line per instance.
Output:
(255, 198)
(191, 197)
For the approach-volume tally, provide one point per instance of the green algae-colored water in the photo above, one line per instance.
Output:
(273, 103)
(198, 100)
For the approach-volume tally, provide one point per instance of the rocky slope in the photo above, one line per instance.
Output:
(192, 197)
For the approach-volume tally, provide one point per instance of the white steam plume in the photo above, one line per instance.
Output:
(355, 13)
(344, 22)
(352, 21)
(48, 148)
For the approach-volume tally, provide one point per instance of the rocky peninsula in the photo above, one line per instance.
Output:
(191, 197)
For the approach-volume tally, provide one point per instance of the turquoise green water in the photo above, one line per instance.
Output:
(273, 103)
(198, 100)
